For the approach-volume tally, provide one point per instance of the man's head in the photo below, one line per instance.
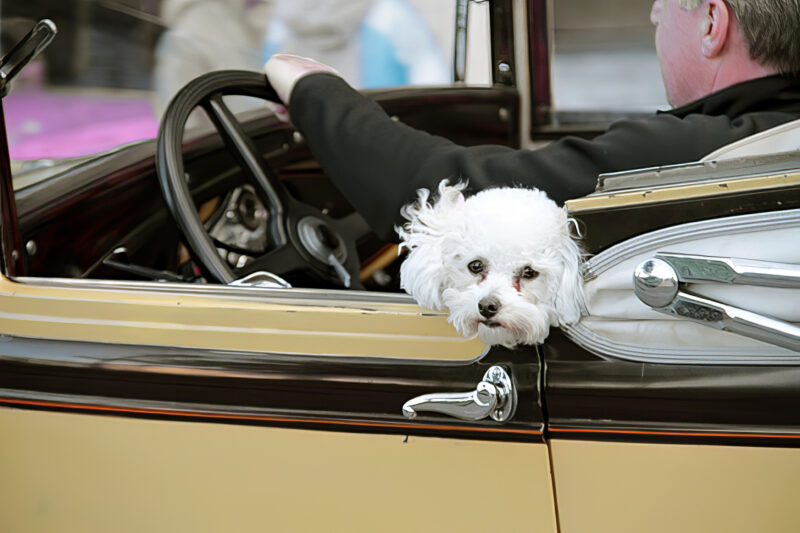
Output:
(707, 45)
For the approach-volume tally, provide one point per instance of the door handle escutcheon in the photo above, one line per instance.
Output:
(495, 396)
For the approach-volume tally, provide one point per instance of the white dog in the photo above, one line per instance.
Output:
(502, 262)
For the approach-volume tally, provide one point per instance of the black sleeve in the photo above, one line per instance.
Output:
(378, 163)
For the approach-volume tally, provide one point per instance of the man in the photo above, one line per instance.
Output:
(729, 68)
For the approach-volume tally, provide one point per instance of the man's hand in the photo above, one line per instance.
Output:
(285, 70)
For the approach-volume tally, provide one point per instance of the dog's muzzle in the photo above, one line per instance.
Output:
(489, 306)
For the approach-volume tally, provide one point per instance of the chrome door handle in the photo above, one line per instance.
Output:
(495, 397)
(657, 283)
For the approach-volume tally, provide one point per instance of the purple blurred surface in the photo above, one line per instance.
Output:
(44, 124)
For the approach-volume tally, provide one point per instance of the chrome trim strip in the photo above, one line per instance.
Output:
(181, 361)
(696, 172)
(681, 192)
(294, 296)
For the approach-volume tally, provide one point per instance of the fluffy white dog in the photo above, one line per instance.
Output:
(502, 262)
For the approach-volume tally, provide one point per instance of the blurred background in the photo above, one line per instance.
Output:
(115, 64)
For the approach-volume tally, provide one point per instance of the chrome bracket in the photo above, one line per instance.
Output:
(698, 268)
(659, 283)
(24, 52)
(495, 397)
(264, 279)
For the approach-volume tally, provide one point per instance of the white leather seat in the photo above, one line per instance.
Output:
(620, 325)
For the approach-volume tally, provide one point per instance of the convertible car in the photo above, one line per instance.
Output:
(198, 333)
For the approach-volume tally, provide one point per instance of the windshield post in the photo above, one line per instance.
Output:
(460, 49)
(10, 65)
(502, 22)
(539, 62)
(11, 241)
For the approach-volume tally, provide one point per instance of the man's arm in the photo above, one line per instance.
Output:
(378, 163)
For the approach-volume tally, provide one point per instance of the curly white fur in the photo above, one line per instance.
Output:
(507, 230)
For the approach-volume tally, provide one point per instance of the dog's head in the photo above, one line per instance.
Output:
(502, 262)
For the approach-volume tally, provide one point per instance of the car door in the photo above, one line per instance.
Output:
(136, 406)
(657, 421)
(141, 406)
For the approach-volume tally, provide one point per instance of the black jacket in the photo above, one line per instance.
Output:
(378, 163)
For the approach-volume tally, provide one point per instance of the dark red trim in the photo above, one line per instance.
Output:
(173, 413)
(539, 62)
(676, 433)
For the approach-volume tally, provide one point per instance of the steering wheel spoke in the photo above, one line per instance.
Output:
(246, 154)
(283, 259)
(353, 227)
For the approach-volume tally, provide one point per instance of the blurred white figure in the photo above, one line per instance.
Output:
(372, 43)
(207, 35)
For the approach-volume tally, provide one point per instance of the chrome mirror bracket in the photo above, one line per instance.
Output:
(24, 52)
(494, 397)
(700, 268)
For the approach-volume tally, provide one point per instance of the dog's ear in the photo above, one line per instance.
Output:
(422, 274)
(570, 302)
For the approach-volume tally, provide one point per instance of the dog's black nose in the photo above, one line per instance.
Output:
(489, 306)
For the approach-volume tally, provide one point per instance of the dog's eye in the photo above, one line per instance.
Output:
(476, 267)
(529, 273)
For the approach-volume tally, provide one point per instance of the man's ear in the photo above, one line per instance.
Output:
(422, 274)
(716, 23)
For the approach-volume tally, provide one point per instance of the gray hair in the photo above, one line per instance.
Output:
(771, 28)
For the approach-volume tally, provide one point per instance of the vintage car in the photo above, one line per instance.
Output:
(178, 353)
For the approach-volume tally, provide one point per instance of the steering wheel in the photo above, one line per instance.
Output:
(300, 236)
